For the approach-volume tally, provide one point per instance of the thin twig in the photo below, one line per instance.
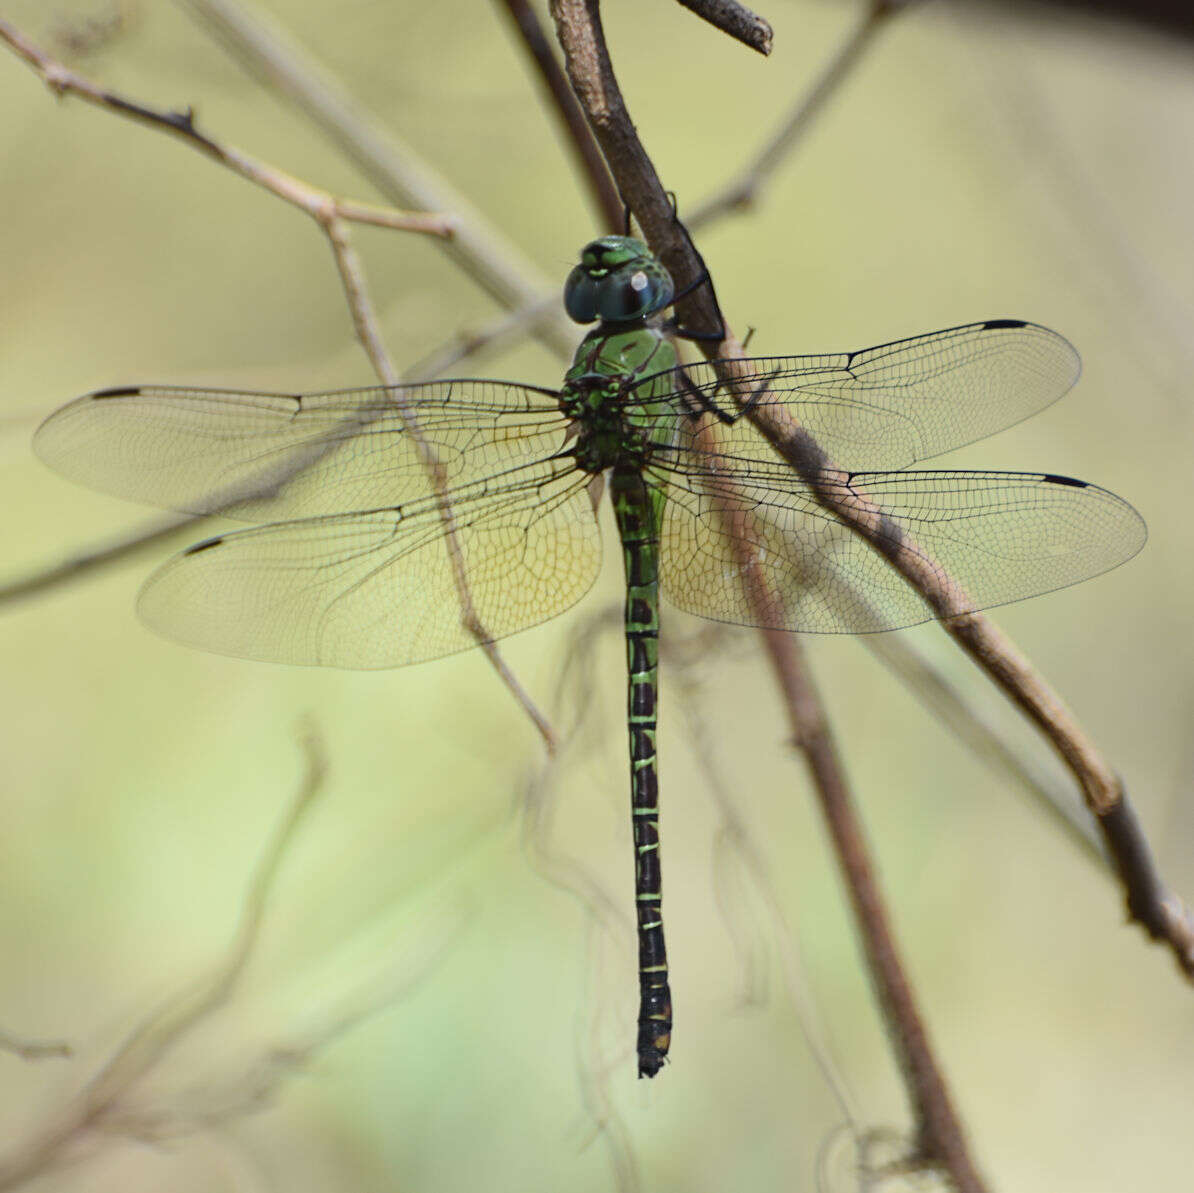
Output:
(742, 191)
(940, 1140)
(477, 246)
(602, 192)
(735, 19)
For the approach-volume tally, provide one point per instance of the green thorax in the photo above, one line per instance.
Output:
(619, 421)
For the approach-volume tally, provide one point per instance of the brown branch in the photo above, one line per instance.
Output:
(602, 192)
(940, 1139)
(578, 27)
(735, 19)
(742, 191)
(1162, 914)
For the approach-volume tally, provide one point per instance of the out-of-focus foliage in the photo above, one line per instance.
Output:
(968, 170)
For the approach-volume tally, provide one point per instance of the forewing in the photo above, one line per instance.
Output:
(378, 589)
(1001, 536)
(262, 456)
(889, 406)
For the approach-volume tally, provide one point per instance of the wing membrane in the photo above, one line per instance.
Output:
(377, 588)
(1002, 536)
(261, 456)
(889, 406)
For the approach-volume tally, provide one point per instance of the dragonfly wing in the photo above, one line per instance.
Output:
(260, 456)
(1002, 536)
(378, 588)
(889, 406)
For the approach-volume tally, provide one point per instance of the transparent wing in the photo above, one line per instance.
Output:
(377, 589)
(1002, 536)
(889, 406)
(260, 456)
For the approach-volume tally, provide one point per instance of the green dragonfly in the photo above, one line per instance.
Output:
(422, 517)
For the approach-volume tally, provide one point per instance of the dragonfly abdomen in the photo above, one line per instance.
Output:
(638, 507)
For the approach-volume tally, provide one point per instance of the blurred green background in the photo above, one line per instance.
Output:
(975, 166)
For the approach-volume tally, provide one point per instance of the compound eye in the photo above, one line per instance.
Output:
(624, 298)
(580, 296)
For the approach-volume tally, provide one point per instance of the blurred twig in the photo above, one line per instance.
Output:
(942, 697)
(43, 580)
(606, 920)
(735, 19)
(741, 192)
(602, 191)
(34, 1049)
(477, 246)
(99, 1102)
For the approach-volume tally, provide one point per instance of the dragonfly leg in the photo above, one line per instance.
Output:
(703, 403)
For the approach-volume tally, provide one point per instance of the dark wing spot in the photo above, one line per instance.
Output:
(993, 324)
(205, 545)
(118, 391)
(1052, 479)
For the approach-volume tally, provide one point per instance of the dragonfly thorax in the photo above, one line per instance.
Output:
(608, 433)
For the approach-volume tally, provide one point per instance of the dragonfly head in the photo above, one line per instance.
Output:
(618, 280)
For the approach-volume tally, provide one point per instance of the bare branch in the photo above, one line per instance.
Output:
(735, 19)
(602, 192)
(1161, 913)
(940, 1141)
(742, 191)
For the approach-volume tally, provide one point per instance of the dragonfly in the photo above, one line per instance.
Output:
(398, 524)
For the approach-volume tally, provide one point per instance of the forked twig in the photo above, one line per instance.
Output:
(332, 215)
(897, 652)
